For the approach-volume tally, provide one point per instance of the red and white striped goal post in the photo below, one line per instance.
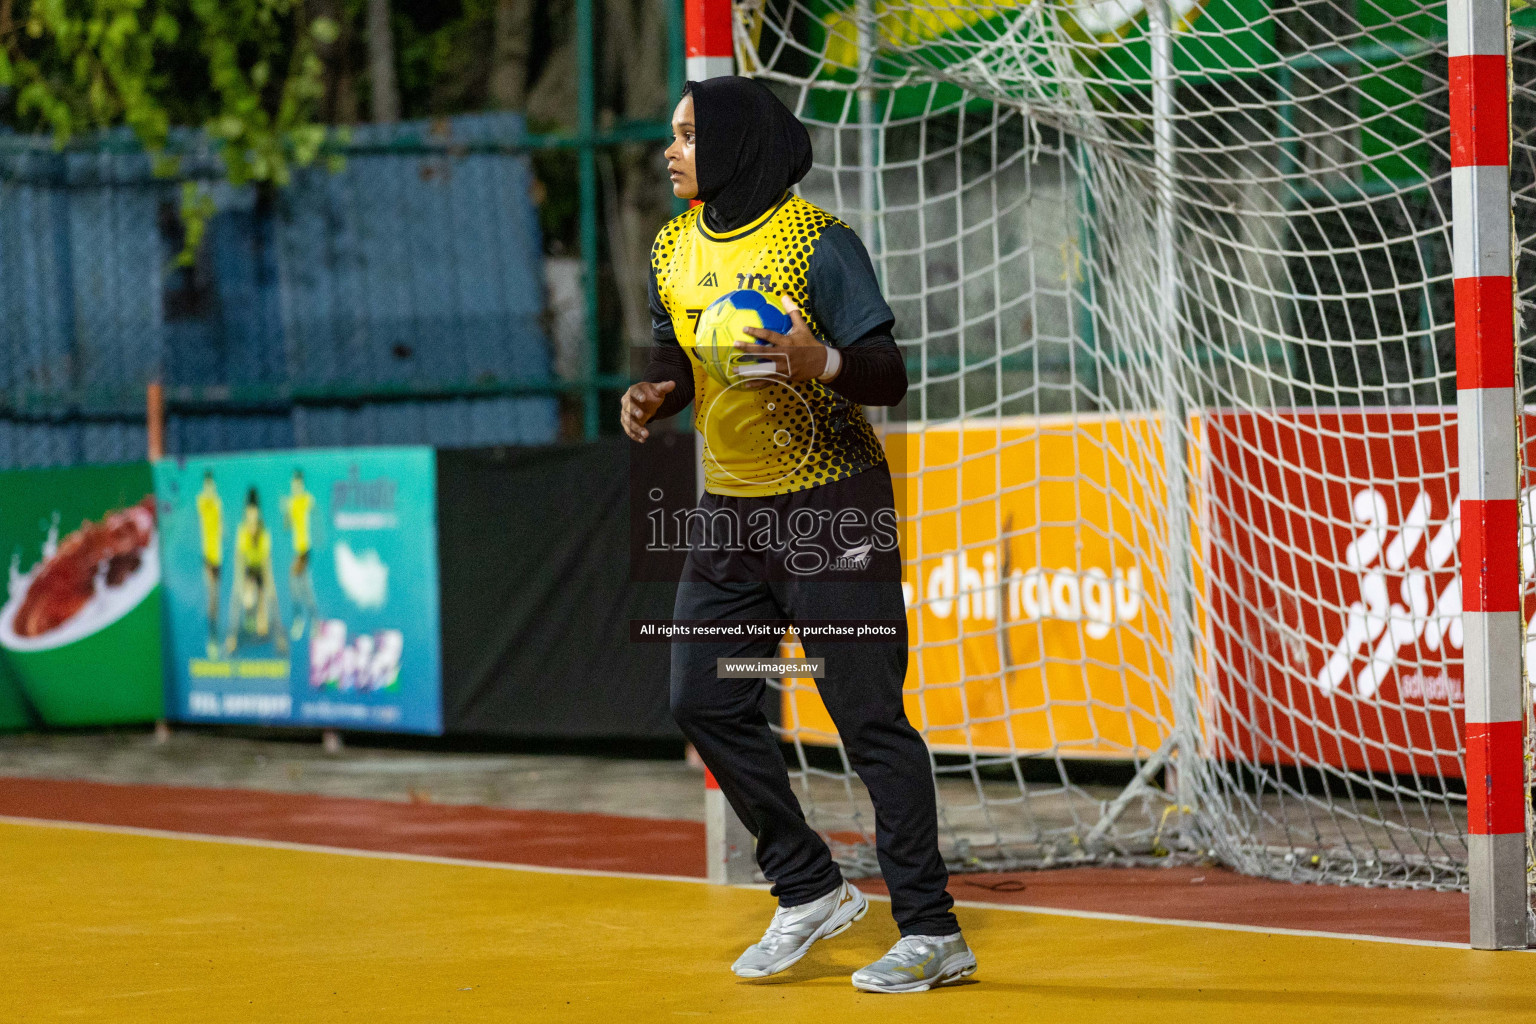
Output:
(1487, 400)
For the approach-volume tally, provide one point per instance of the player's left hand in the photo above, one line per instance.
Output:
(797, 356)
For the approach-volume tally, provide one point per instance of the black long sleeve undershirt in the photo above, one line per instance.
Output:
(669, 362)
(873, 371)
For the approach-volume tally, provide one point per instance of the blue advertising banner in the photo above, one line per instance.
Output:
(301, 588)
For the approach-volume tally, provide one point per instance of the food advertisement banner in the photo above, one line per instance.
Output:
(80, 633)
(302, 588)
(1036, 618)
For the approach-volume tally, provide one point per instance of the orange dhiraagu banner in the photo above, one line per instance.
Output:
(1036, 611)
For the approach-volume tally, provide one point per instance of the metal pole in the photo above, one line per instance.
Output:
(1175, 459)
(868, 40)
(154, 429)
(154, 420)
(676, 72)
(586, 130)
(1487, 407)
(675, 58)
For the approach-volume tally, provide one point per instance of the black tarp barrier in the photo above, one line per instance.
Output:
(537, 591)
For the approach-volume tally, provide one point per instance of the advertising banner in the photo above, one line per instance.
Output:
(1036, 616)
(80, 633)
(1326, 584)
(302, 588)
(15, 715)
(1336, 627)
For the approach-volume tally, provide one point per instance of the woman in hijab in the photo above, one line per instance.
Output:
(801, 525)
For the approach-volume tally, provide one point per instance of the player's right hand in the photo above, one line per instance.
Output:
(640, 403)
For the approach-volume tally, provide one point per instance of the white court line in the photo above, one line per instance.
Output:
(422, 858)
(1305, 933)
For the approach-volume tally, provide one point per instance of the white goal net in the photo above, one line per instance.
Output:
(1179, 456)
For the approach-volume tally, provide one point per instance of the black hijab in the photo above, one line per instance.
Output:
(749, 149)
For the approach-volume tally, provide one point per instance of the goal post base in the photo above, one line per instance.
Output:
(1500, 918)
(730, 847)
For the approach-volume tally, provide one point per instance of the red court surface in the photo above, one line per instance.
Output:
(668, 847)
(598, 842)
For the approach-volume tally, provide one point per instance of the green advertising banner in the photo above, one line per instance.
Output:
(15, 715)
(80, 619)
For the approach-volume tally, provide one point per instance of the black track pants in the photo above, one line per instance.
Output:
(723, 718)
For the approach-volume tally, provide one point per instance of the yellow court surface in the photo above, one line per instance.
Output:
(108, 926)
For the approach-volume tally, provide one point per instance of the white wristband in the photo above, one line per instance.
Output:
(834, 364)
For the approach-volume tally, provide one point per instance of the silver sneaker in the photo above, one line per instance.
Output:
(794, 929)
(917, 963)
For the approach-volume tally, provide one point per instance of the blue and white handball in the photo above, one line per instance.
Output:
(723, 324)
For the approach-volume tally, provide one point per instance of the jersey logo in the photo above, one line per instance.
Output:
(761, 282)
(709, 281)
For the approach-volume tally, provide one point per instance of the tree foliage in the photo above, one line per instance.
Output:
(246, 71)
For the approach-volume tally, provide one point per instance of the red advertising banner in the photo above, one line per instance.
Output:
(1335, 597)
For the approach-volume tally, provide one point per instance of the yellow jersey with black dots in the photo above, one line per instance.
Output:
(786, 436)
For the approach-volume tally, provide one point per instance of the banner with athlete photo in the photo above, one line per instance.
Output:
(302, 588)
(80, 613)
